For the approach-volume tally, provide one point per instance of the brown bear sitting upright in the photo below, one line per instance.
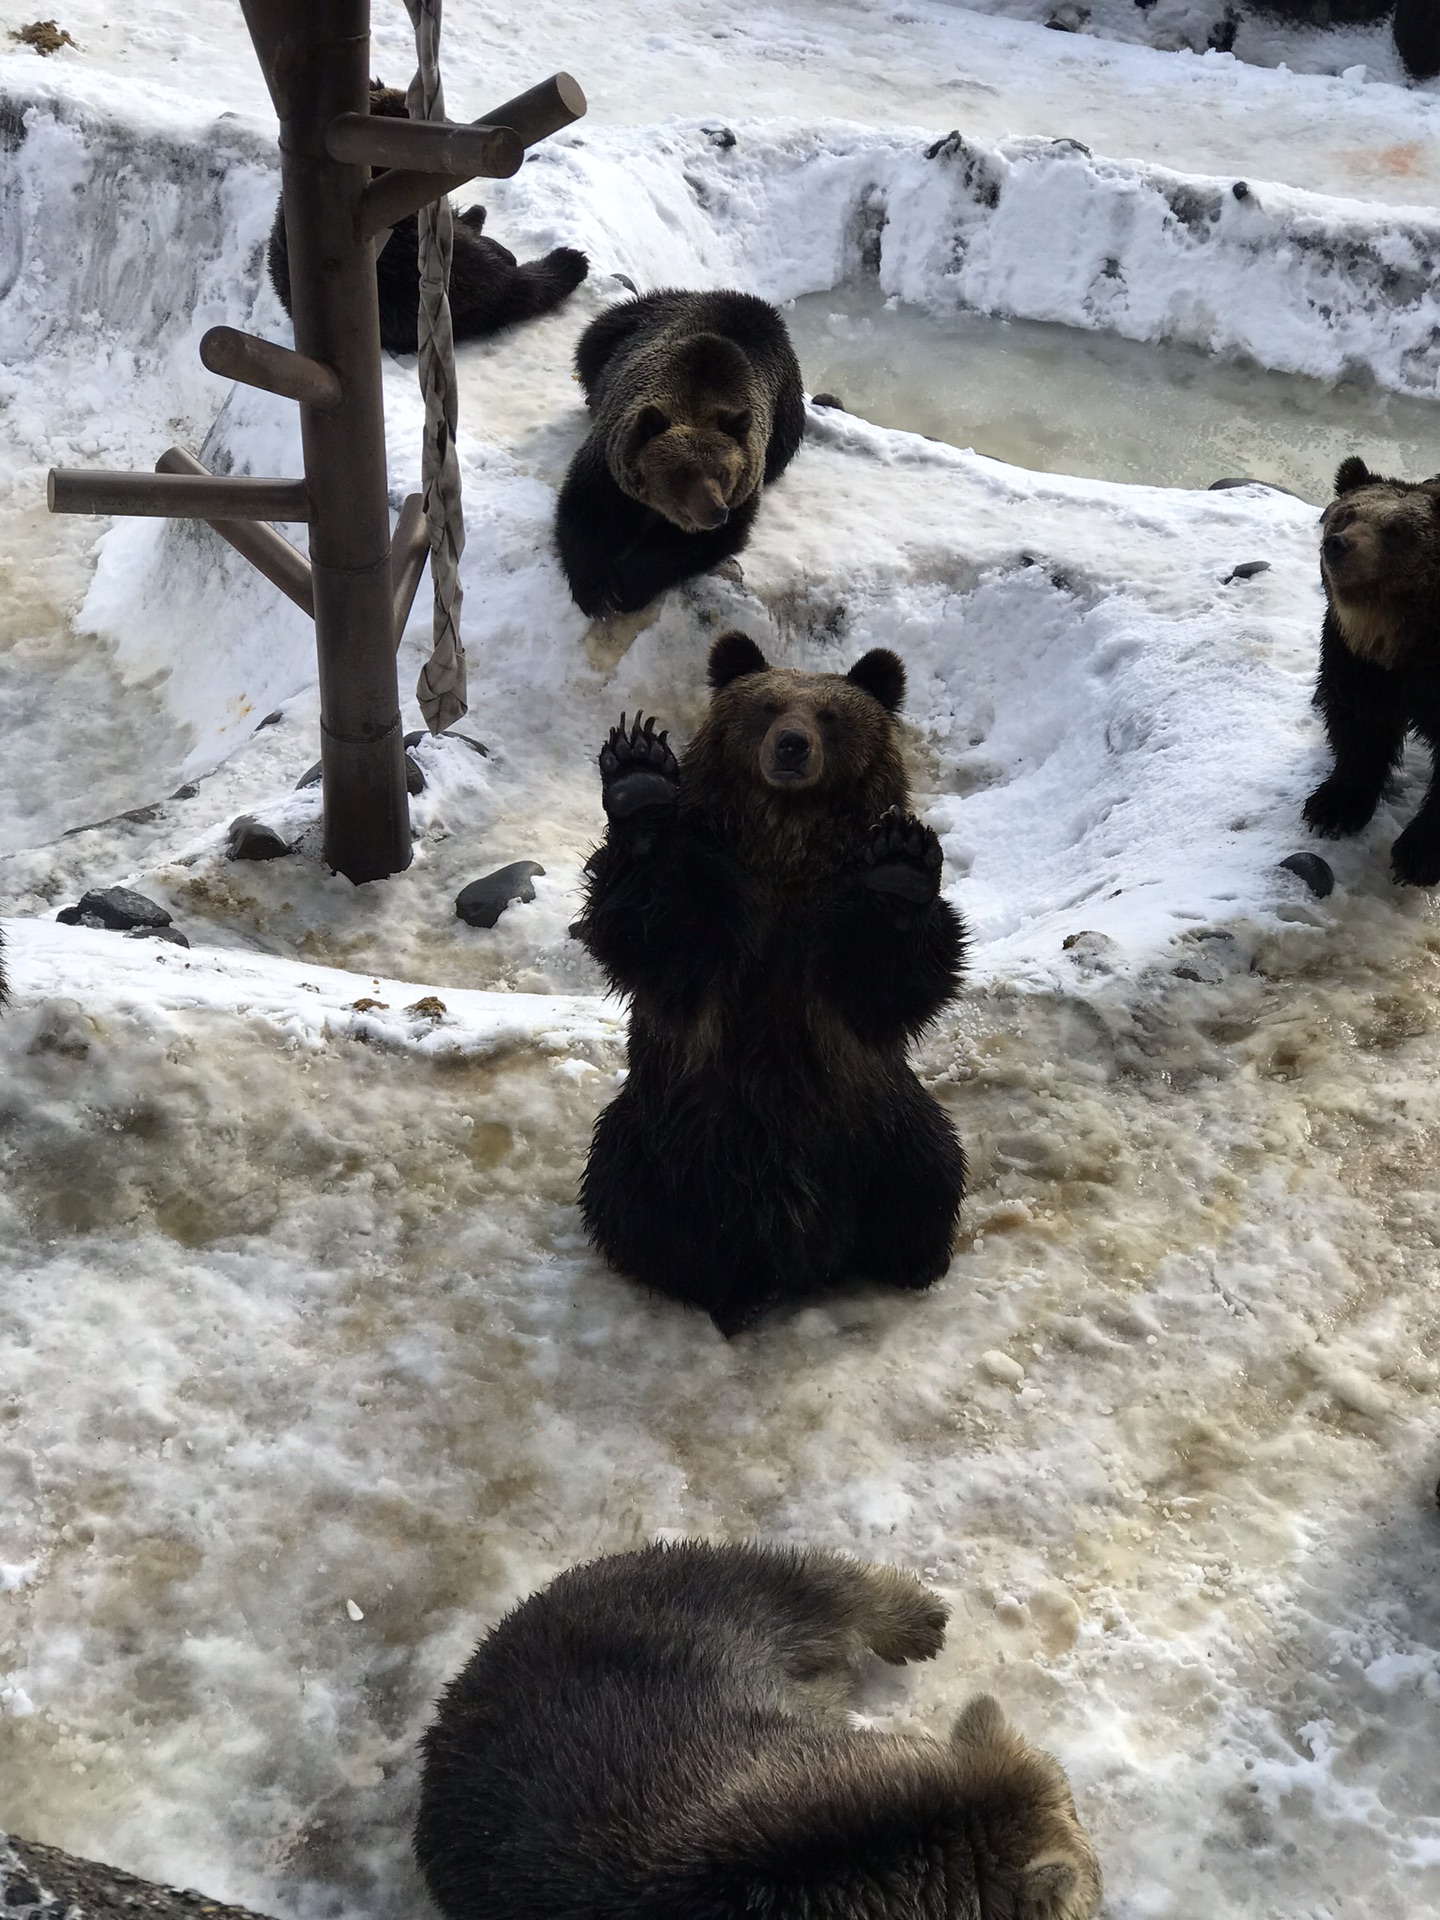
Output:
(774, 912)
(489, 288)
(697, 404)
(663, 1735)
(1380, 655)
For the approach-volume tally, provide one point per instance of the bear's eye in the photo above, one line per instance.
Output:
(773, 709)
(826, 716)
(1399, 532)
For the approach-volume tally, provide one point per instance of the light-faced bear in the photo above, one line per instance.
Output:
(697, 404)
(773, 910)
(664, 1734)
(489, 288)
(1380, 655)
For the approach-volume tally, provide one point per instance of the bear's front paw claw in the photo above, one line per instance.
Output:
(637, 768)
(1335, 810)
(902, 860)
(1415, 858)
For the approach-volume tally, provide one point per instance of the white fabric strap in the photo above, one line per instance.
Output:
(440, 689)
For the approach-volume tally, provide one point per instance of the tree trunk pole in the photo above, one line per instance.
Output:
(315, 55)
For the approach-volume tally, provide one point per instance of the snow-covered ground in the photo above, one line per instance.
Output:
(305, 1370)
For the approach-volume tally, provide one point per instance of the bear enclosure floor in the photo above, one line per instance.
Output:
(306, 1373)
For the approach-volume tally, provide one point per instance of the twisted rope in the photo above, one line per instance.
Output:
(440, 689)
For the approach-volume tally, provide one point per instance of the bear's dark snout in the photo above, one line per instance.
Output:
(792, 750)
(1335, 546)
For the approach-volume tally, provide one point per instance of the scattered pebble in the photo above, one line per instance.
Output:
(427, 1008)
(1318, 874)
(355, 1613)
(999, 1366)
(483, 901)
(827, 400)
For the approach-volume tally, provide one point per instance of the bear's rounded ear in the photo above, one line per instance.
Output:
(981, 1723)
(733, 655)
(648, 424)
(880, 673)
(1352, 473)
(737, 424)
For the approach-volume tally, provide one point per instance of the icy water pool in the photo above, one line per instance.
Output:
(1058, 400)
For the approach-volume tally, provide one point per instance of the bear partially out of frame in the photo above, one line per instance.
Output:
(664, 1733)
(1380, 656)
(774, 912)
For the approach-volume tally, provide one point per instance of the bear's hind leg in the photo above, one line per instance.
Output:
(821, 1611)
(668, 1232)
(910, 1192)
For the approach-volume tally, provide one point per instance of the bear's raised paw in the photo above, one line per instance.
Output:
(901, 859)
(637, 769)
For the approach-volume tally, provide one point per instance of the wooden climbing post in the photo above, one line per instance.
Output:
(358, 582)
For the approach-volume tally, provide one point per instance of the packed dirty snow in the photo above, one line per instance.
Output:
(306, 1372)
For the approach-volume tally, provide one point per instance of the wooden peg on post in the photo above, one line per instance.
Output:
(531, 116)
(268, 552)
(261, 363)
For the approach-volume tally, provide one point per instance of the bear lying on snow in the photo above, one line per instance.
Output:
(489, 288)
(698, 403)
(1380, 655)
(775, 914)
(664, 1733)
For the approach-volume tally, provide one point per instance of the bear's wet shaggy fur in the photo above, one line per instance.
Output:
(1417, 36)
(663, 1734)
(774, 912)
(489, 288)
(697, 404)
(1380, 655)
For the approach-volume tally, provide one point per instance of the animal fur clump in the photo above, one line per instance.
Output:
(664, 1734)
(1380, 655)
(773, 910)
(698, 405)
(489, 288)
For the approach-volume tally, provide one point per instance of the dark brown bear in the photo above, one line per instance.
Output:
(489, 288)
(1380, 655)
(663, 1736)
(698, 403)
(774, 912)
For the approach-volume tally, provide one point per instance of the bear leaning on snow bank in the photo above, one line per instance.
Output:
(1380, 655)
(665, 1733)
(774, 912)
(489, 288)
(698, 404)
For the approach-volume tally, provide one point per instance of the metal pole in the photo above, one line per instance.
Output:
(315, 57)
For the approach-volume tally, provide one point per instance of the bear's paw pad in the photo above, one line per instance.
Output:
(901, 857)
(637, 768)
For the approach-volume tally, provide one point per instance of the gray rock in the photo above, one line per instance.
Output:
(483, 901)
(251, 839)
(1247, 570)
(172, 934)
(1318, 874)
(117, 908)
